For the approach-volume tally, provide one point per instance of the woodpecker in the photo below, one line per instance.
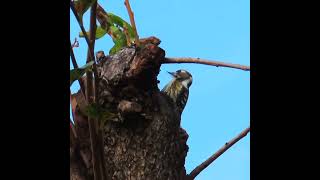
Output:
(178, 88)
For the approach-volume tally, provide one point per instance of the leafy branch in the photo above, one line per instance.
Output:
(119, 30)
(77, 73)
(95, 139)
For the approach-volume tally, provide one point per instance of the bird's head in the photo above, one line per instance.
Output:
(182, 76)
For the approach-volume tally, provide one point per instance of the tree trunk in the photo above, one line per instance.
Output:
(144, 140)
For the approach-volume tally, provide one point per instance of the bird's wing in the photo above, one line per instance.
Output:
(171, 89)
(178, 93)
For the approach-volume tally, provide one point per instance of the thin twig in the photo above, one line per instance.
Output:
(96, 161)
(207, 62)
(126, 33)
(82, 28)
(96, 147)
(206, 163)
(75, 43)
(133, 24)
(73, 58)
(101, 151)
(98, 135)
(75, 65)
(102, 17)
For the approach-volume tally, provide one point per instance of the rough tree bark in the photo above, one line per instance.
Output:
(144, 140)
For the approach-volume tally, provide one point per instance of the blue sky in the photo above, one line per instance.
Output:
(219, 103)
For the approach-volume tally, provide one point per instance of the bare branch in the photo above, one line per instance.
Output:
(207, 62)
(133, 24)
(99, 152)
(206, 163)
(102, 17)
(93, 131)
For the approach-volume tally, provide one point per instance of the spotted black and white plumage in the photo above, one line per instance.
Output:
(178, 88)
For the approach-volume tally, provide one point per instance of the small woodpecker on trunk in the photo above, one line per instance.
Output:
(178, 88)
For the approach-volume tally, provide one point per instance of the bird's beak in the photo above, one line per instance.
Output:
(172, 74)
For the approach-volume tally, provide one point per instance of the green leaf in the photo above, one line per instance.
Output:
(117, 28)
(116, 48)
(114, 19)
(100, 32)
(118, 38)
(82, 6)
(116, 34)
(77, 73)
